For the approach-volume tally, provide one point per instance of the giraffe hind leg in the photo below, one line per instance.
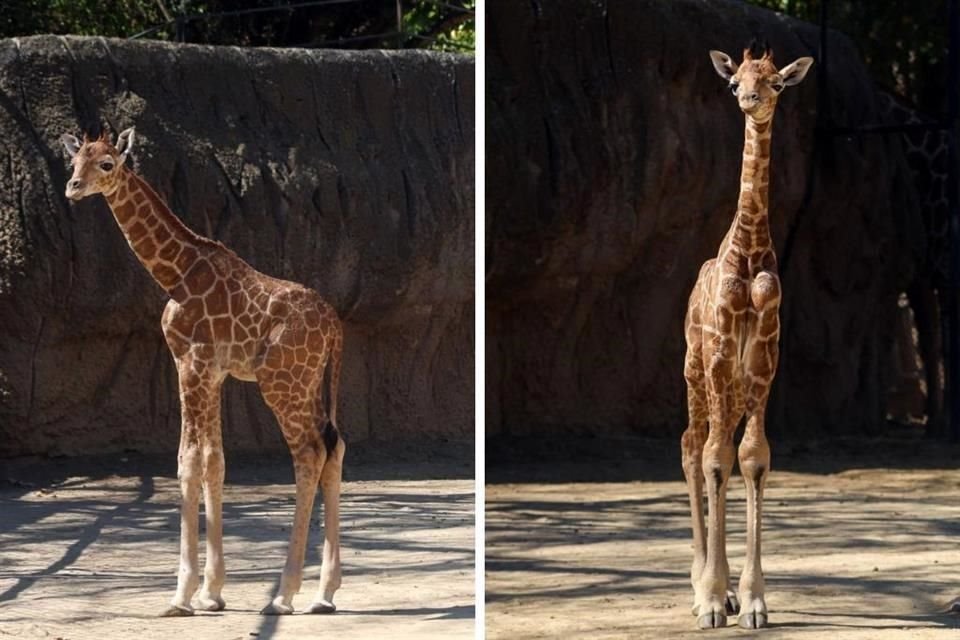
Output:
(330, 572)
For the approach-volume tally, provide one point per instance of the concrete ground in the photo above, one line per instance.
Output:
(92, 552)
(858, 544)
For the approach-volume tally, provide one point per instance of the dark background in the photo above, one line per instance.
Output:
(613, 156)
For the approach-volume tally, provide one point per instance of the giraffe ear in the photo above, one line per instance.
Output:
(125, 143)
(70, 143)
(796, 71)
(724, 65)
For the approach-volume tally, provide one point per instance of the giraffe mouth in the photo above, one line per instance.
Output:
(758, 112)
(76, 190)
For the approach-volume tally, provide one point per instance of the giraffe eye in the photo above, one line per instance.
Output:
(733, 87)
(106, 165)
(777, 86)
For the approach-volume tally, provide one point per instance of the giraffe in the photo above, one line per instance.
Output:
(225, 318)
(926, 154)
(732, 330)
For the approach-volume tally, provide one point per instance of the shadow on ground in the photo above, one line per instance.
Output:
(853, 549)
(97, 553)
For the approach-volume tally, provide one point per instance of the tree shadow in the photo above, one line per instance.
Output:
(384, 524)
(89, 534)
(531, 528)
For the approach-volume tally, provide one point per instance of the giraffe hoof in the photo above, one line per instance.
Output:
(211, 603)
(322, 606)
(712, 620)
(754, 620)
(176, 611)
(732, 604)
(276, 609)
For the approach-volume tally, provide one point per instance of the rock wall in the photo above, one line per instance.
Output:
(613, 159)
(350, 172)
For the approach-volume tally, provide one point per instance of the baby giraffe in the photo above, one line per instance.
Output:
(225, 318)
(732, 330)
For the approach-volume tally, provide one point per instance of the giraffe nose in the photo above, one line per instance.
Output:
(753, 96)
(74, 188)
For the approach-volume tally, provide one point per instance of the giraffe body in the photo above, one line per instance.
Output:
(225, 318)
(927, 159)
(732, 330)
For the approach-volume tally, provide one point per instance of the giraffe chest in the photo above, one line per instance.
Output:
(231, 343)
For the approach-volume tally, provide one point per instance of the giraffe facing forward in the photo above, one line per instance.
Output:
(732, 330)
(225, 318)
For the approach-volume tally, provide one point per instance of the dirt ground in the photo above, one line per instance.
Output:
(856, 546)
(86, 553)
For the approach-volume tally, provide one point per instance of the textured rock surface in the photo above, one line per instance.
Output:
(349, 172)
(613, 158)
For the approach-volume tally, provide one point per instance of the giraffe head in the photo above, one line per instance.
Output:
(96, 163)
(756, 82)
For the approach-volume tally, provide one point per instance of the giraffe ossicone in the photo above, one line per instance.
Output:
(732, 330)
(226, 318)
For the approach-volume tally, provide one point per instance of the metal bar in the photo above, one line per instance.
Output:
(152, 29)
(953, 106)
(239, 12)
(399, 24)
(285, 7)
(326, 43)
(824, 117)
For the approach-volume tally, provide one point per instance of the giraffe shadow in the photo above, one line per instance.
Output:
(865, 620)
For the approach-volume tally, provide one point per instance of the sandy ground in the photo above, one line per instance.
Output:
(92, 555)
(858, 551)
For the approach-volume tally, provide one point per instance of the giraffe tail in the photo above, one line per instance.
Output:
(329, 432)
(330, 436)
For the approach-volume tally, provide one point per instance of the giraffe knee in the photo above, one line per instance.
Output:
(764, 290)
(212, 463)
(188, 462)
(754, 462)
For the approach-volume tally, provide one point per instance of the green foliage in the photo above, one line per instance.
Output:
(437, 24)
(442, 26)
(904, 44)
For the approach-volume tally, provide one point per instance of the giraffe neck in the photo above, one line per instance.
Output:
(162, 243)
(750, 231)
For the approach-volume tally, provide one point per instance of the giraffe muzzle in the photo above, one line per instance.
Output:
(75, 189)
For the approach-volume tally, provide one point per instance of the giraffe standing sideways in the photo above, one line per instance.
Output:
(226, 318)
(732, 329)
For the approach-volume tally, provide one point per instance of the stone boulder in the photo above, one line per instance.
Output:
(351, 172)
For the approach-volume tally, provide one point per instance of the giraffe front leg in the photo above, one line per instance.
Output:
(754, 457)
(760, 365)
(723, 392)
(188, 471)
(199, 407)
(330, 480)
(714, 580)
(691, 451)
(214, 572)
